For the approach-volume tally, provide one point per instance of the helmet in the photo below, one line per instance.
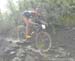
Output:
(30, 14)
(27, 14)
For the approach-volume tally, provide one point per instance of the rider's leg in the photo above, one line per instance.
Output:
(27, 33)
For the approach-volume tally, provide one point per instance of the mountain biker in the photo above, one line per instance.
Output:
(27, 15)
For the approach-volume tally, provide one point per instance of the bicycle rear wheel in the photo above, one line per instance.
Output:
(43, 41)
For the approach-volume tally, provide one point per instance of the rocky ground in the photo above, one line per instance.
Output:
(63, 46)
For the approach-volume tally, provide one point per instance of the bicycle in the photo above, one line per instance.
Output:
(40, 38)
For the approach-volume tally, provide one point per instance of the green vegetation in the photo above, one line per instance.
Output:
(55, 12)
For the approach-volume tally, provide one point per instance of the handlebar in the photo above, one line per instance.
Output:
(42, 22)
(35, 23)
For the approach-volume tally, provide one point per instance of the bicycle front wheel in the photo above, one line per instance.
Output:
(43, 41)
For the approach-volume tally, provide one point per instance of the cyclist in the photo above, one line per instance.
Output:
(27, 15)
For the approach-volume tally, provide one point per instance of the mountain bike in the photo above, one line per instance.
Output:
(40, 38)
